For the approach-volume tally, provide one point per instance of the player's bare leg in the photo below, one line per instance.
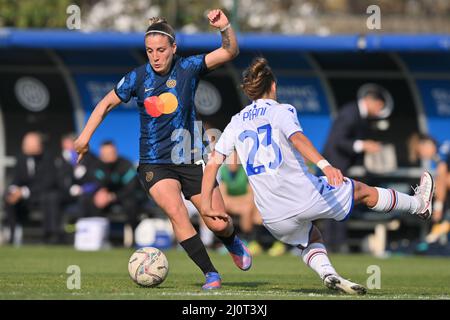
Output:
(224, 230)
(167, 195)
(220, 227)
(315, 256)
(387, 200)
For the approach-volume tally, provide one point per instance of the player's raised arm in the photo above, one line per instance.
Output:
(229, 49)
(105, 105)
(307, 149)
(208, 184)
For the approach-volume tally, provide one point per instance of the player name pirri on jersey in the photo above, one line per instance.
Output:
(254, 113)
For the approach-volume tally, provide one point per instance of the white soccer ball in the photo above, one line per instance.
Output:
(148, 267)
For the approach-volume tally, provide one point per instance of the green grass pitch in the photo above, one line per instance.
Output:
(39, 272)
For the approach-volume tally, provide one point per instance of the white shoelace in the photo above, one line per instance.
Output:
(417, 189)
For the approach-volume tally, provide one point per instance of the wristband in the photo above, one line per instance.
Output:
(322, 164)
(226, 27)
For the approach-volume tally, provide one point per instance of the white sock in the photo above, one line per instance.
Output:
(389, 200)
(315, 256)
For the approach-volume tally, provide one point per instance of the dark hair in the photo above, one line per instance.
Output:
(413, 142)
(107, 143)
(257, 78)
(69, 135)
(426, 137)
(159, 25)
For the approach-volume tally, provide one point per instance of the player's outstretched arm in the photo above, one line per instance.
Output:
(208, 183)
(229, 49)
(307, 150)
(105, 105)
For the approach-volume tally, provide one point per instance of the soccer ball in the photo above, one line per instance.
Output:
(148, 267)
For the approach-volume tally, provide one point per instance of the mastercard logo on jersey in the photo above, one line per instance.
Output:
(165, 103)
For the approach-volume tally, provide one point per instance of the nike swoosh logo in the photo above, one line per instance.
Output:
(147, 89)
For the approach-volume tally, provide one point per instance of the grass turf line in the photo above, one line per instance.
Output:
(39, 272)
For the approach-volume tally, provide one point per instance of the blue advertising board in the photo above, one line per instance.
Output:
(436, 100)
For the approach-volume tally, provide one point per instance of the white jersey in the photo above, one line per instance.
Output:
(282, 184)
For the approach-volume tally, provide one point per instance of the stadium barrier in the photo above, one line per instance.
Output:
(52, 79)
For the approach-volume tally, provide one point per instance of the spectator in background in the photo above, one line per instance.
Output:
(442, 186)
(75, 183)
(423, 151)
(345, 147)
(117, 184)
(31, 187)
(441, 220)
(347, 140)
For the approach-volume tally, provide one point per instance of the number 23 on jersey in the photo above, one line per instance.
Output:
(263, 136)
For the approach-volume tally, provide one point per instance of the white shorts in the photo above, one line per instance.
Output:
(336, 203)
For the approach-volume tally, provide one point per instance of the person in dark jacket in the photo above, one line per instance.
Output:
(32, 182)
(75, 185)
(347, 140)
(117, 185)
(345, 147)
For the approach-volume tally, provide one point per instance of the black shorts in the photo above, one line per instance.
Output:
(189, 175)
